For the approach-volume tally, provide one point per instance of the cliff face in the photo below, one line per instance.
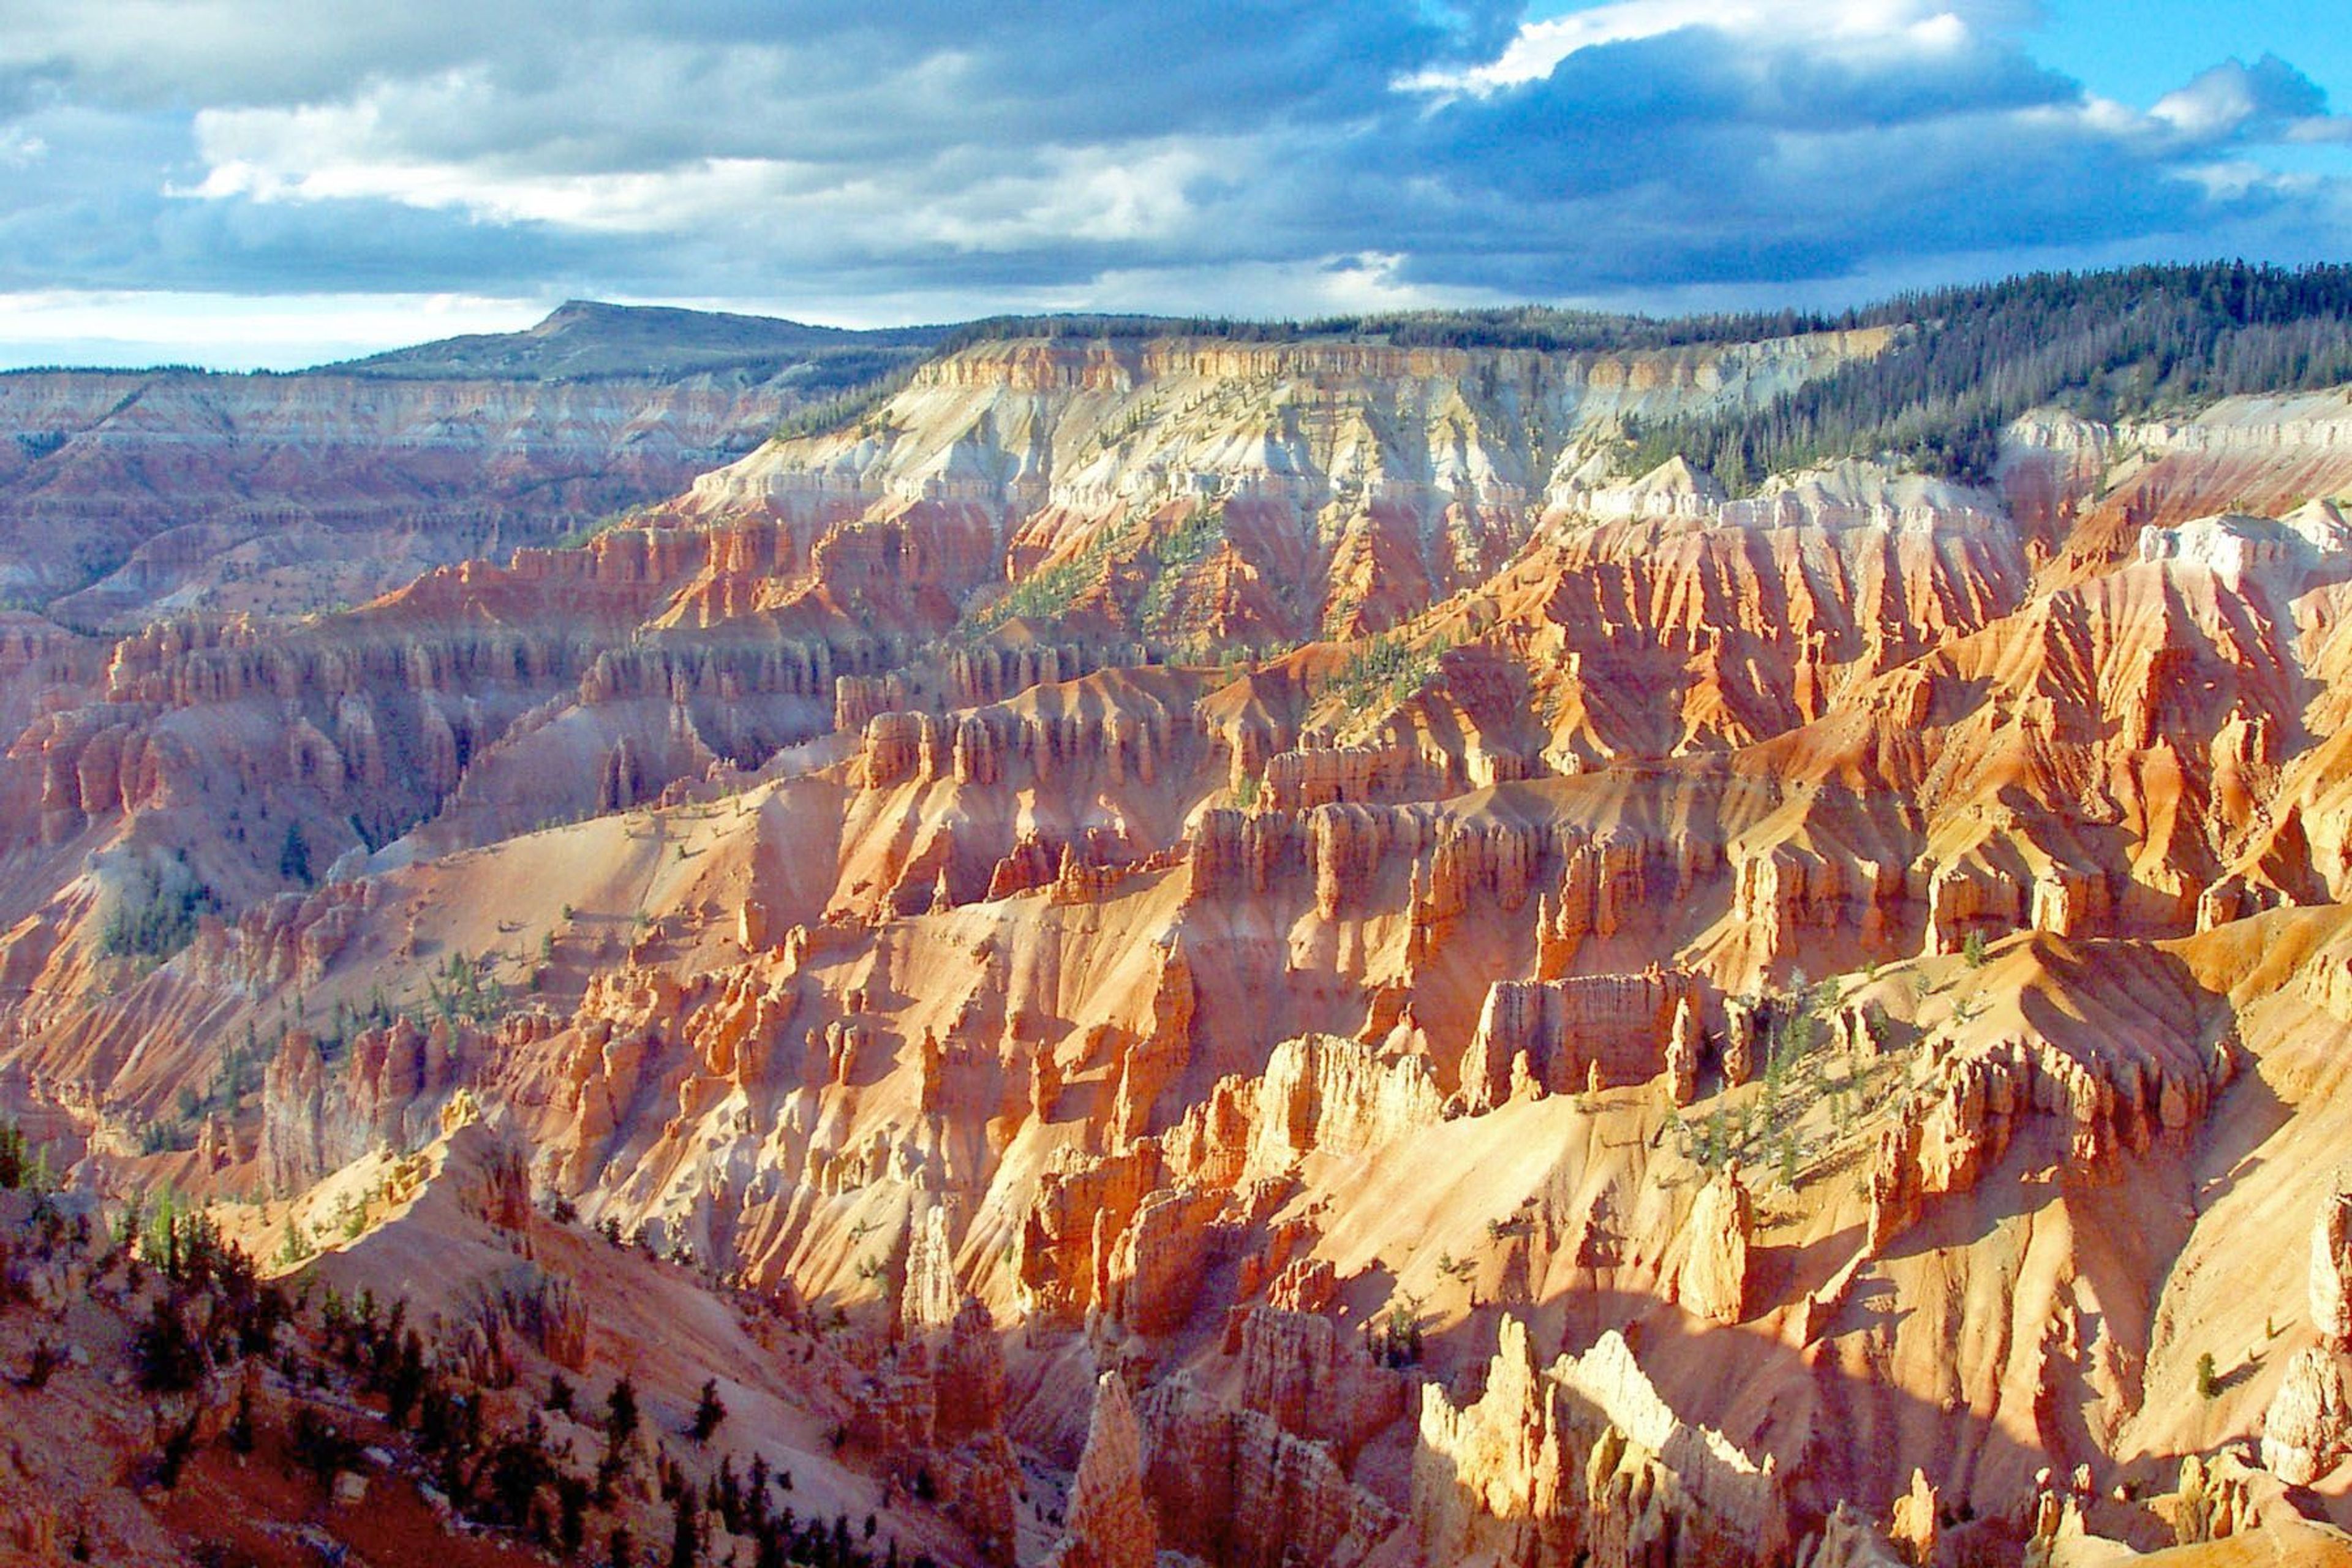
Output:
(1725, 1016)
(133, 494)
(1186, 491)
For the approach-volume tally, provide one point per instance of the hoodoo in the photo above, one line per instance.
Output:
(1524, 941)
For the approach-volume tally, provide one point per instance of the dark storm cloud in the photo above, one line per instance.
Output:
(1050, 152)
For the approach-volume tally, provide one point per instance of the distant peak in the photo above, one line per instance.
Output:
(580, 313)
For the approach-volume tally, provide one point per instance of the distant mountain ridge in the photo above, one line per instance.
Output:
(122, 491)
(588, 340)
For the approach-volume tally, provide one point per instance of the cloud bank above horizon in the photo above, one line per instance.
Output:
(325, 173)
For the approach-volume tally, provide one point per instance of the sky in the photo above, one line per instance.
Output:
(249, 183)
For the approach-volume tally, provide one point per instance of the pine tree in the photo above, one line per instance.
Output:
(294, 856)
(708, 1411)
(685, 1531)
(620, 1415)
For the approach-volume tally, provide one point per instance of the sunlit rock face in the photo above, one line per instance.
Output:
(1247, 952)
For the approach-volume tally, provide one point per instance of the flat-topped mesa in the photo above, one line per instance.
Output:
(290, 492)
(1584, 1462)
(1563, 1036)
(1589, 387)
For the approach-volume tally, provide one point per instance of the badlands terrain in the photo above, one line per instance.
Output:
(1255, 946)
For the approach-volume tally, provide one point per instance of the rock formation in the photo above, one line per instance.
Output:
(1109, 1524)
(2307, 1429)
(1269, 868)
(1584, 1462)
(2331, 1270)
(1714, 1282)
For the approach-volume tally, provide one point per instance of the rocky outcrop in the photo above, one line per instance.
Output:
(1428, 481)
(2331, 1269)
(2101, 1105)
(931, 1298)
(1110, 1526)
(1081, 1208)
(523, 1303)
(1683, 1048)
(1495, 1479)
(1847, 1540)
(1565, 1035)
(1158, 1061)
(1713, 1280)
(289, 492)
(1316, 1381)
(1206, 1012)
(2214, 1498)
(1319, 1092)
(1232, 1486)
(1153, 1270)
(1912, 1527)
(1584, 1463)
(1130, 1231)
(385, 1089)
(289, 939)
(2307, 1430)
(932, 1418)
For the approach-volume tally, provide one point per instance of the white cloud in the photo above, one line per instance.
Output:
(1831, 25)
(815, 157)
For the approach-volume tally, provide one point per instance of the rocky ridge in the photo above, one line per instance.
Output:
(1876, 937)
